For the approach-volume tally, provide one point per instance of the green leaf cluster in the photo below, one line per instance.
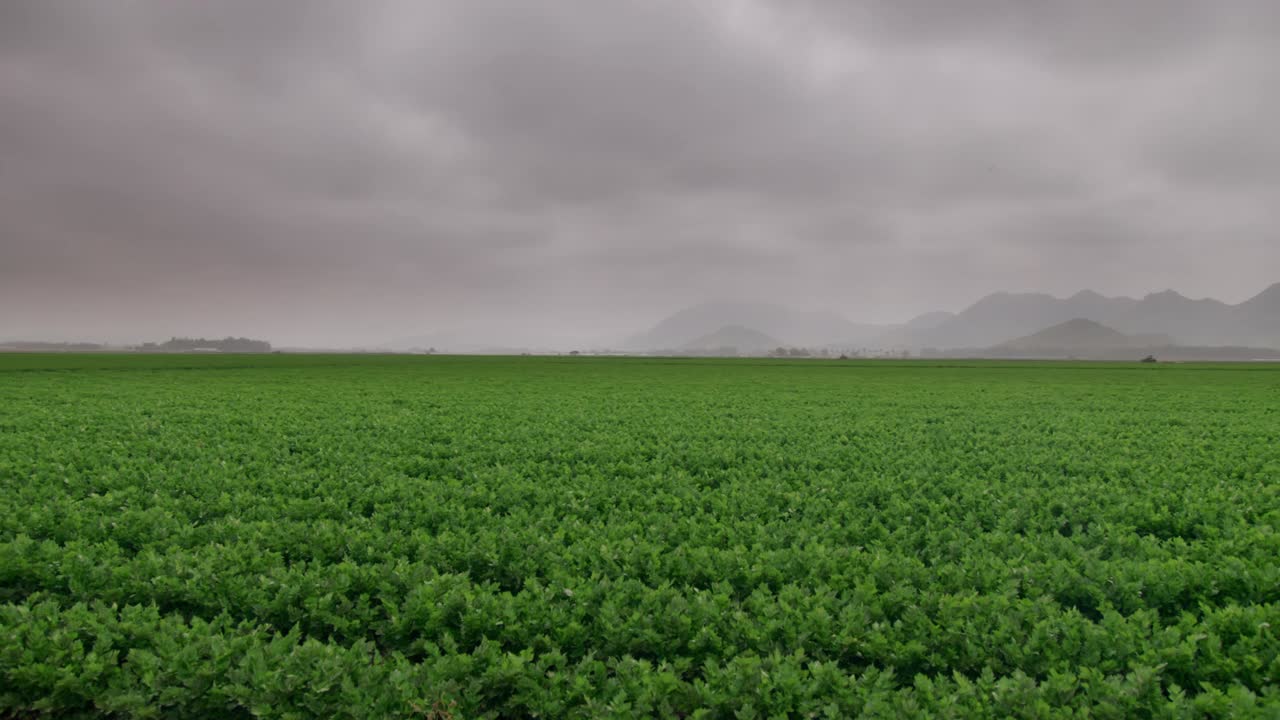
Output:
(323, 536)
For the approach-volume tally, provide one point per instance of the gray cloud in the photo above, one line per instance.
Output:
(335, 172)
(1096, 34)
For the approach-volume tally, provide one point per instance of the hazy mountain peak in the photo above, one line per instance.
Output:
(1270, 295)
(929, 320)
(1081, 335)
(1088, 295)
(1084, 324)
(1262, 315)
(739, 338)
(1007, 298)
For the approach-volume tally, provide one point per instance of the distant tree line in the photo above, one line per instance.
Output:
(227, 344)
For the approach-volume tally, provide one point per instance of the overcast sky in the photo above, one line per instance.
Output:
(344, 172)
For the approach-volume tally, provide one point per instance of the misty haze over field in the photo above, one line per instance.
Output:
(571, 173)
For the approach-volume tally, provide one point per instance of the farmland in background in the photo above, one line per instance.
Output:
(392, 536)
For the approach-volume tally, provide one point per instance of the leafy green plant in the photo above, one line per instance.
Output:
(436, 537)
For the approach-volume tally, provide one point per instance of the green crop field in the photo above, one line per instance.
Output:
(434, 537)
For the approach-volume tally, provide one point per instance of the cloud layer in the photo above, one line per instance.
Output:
(334, 172)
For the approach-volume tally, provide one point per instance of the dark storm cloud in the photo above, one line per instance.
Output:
(349, 172)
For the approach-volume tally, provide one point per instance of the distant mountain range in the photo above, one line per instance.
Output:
(1207, 322)
(1088, 340)
(1167, 317)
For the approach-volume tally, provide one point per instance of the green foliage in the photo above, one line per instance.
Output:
(436, 537)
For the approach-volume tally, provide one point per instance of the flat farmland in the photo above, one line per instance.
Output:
(470, 537)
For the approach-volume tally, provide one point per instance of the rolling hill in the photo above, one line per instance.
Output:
(1079, 336)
